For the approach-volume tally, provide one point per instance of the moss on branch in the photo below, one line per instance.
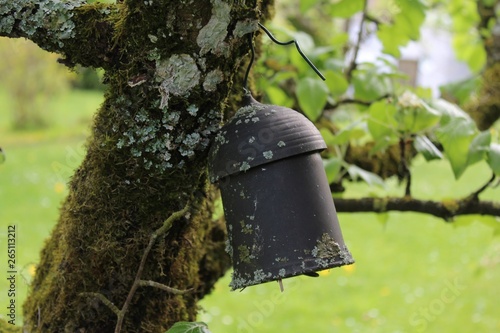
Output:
(81, 32)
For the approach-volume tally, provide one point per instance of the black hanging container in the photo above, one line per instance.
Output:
(279, 211)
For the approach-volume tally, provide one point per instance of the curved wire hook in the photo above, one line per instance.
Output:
(298, 49)
(309, 62)
(245, 80)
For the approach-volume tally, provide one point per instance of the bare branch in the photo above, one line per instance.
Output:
(446, 209)
(353, 64)
(149, 283)
(475, 195)
(405, 171)
(137, 282)
(355, 101)
(104, 300)
(372, 19)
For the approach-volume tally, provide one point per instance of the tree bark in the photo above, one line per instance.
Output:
(485, 108)
(169, 66)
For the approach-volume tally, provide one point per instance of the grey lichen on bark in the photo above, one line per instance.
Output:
(170, 66)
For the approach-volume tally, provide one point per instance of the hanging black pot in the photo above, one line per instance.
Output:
(280, 216)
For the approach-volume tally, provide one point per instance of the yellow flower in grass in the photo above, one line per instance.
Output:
(349, 269)
(385, 291)
(59, 187)
(325, 272)
(32, 270)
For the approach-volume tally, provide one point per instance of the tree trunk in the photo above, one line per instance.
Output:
(169, 68)
(485, 108)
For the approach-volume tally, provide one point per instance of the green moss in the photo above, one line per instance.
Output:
(485, 108)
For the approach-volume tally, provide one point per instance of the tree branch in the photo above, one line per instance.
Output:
(405, 171)
(149, 283)
(137, 282)
(142, 283)
(446, 209)
(104, 300)
(355, 101)
(475, 195)
(353, 64)
(81, 32)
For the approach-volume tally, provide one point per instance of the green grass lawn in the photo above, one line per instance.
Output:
(413, 273)
(33, 178)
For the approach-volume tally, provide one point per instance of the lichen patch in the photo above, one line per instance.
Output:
(212, 79)
(177, 76)
(244, 27)
(211, 36)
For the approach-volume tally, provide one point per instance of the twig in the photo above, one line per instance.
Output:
(149, 283)
(446, 209)
(104, 300)
(356, 101)
(405, 171)
(353, 64)
(160, 231)
(372, 19)
(475, 195)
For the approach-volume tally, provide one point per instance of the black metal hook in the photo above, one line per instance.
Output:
(309, 62)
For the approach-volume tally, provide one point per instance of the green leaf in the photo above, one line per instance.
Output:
(381, 122)
(414, 115)
(425, 147)
(369, 84)
(383, 143)
(278, 97)
(461, 91)
(372, 179)
(392, 39)
(327, 136)
(346, 8)
(470, 50)
(456, 137)
(336, 82)
(406, 26)
(494, 158)
(189, 327)
(332, 168)
(479, 147)
(448, 111)
(417, 119)
(354, 131)
(312, 95)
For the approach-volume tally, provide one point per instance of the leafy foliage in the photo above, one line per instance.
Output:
(467, 40)
(405, 27)
(312, 95)
(382, 110)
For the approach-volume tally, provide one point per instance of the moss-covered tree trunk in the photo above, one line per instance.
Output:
(485, 109)
(169, 67)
